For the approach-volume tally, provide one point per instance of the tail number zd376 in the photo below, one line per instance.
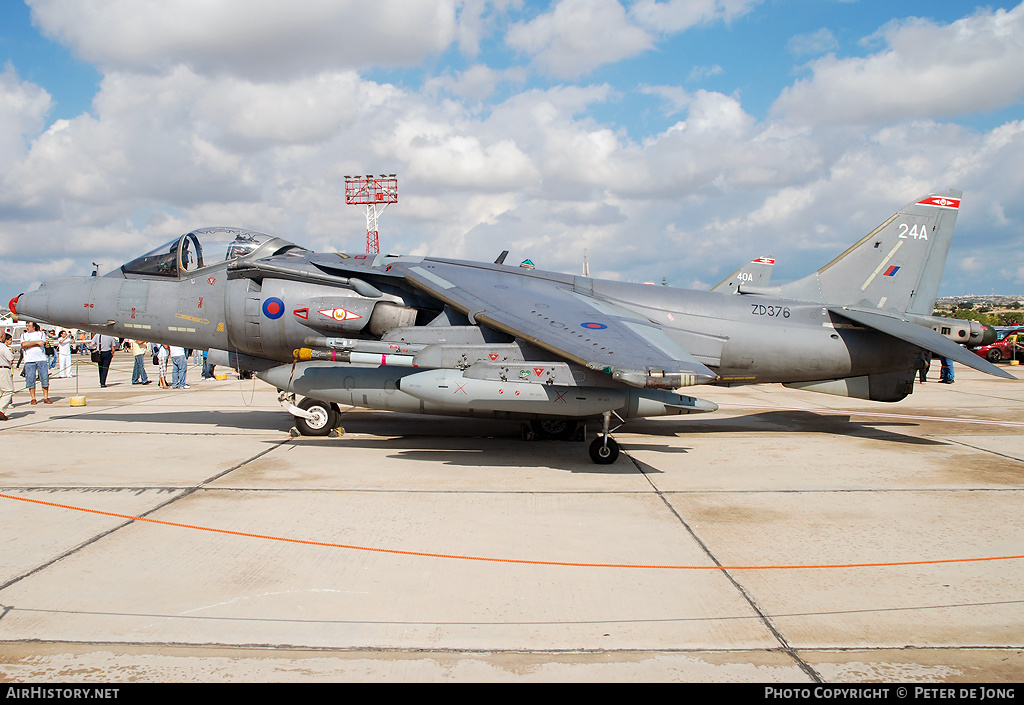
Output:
(771, 311)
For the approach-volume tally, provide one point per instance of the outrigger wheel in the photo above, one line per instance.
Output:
(604, 450)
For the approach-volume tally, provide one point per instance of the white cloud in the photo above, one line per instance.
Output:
(435, 152)
(679, 15)
(23, 109)
(303, 110)
(699, 73)
(926, 70)
(253, 38)
(477, 82)
(676, 98)
(577, 36)
(817, 42)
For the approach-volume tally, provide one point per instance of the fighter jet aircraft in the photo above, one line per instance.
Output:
(440, 336)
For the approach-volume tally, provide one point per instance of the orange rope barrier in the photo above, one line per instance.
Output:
(423, 554)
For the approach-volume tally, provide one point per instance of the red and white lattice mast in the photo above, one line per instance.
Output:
(376, 193)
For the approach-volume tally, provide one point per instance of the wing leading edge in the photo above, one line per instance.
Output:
(566, 321)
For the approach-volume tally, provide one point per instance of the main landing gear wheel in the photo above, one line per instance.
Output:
(604, 451)
(323, 421)
(554, 429)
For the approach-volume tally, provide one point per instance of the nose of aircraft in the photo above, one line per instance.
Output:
(62, 301)
(30, 305)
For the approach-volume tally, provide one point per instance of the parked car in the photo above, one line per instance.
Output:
(1009, 345)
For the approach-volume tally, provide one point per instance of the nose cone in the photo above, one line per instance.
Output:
(61, 301)
(31, 305)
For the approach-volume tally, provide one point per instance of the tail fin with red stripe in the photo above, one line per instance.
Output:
(896, 267)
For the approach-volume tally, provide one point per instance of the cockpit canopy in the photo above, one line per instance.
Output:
(203, 248)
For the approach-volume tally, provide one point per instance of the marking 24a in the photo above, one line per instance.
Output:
(771, 311)
(907, 232)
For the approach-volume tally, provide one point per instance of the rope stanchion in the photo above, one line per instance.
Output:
(519, 561)
(79, 398)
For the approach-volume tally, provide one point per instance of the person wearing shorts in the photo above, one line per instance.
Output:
(33, 343)
(163, 355)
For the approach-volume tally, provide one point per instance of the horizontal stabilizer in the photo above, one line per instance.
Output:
(920, 336)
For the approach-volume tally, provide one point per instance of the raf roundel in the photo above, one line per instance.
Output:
(593, 326)
(273, 308)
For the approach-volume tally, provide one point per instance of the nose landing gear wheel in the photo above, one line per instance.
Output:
(604, 453)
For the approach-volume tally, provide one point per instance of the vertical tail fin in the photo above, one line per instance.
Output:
(757, 272)
(896, 267)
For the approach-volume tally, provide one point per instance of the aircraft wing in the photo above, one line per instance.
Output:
(920, 336)
(568, 321)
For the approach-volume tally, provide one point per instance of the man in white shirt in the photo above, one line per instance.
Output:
(33, 345)
(6, 381)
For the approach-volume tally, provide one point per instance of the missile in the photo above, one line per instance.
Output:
(360, 345)
(351, 356)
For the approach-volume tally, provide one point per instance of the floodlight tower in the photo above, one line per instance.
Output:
(376, 194)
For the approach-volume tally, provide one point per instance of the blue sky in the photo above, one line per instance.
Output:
(71, 82)
(669, 139)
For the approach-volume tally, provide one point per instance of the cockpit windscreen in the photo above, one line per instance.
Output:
(198, 249)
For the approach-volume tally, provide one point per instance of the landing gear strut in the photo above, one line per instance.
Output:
(604, 450)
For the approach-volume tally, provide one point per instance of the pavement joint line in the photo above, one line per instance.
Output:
(129, 519)
(808, 670)
(984, 450)
(499, 650)
(575, 622)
